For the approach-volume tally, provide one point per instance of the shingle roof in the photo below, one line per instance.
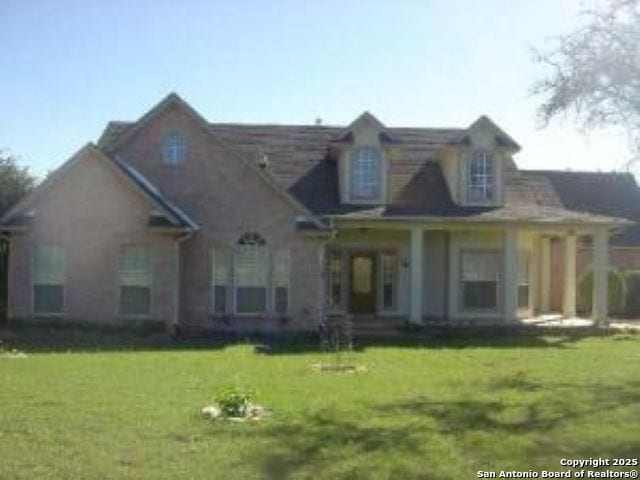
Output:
(603, 193)
(300, 162)
(183, 220)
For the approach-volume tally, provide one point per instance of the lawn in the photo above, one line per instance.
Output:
(421, 410)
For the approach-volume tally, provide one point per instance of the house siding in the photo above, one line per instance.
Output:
(227, 199)
(91, 212)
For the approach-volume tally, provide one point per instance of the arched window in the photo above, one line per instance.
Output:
(251, 269)
(173, 149)
(481, 178)
(366, 173)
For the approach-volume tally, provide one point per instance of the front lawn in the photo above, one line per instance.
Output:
(434, 410)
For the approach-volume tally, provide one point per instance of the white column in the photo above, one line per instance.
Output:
(600, 277)
(569, 291)
(545, 274)
(510, 274)
(417, 247)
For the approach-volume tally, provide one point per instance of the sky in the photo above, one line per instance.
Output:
(68, 67)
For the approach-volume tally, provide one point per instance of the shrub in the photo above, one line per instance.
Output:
(633, 293)
(617, 292)
(234, 402)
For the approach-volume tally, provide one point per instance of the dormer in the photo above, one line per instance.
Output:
(474, 164)
(362, 162)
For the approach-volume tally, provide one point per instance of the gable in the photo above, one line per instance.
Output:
(83, 194)
(215, 184)
(91, 175)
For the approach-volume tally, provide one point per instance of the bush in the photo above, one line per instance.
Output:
(632, 307)
(234, 402)
(617, 292)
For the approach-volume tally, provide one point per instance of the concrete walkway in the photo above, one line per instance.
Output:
(556, 320)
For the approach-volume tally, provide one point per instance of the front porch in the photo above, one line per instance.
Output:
(393, 273)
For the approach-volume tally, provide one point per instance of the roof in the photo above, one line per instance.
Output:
(167, 214)
(602, 193)
(182, 220)
(301, 163)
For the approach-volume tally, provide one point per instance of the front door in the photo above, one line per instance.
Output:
(363, 283)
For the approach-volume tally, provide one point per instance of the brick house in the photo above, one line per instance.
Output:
(239, 227)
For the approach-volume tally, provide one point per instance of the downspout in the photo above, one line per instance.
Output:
(176, 313)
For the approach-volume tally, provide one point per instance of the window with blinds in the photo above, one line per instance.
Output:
(49, 275)
(480, 275)
(134, 271)
(251, 274)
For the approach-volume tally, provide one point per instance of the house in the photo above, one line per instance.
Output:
(266, 228)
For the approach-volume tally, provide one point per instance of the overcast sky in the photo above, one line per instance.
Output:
(67, 67)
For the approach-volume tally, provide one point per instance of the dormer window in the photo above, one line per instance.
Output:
(173, 150)
(481, 179)
(366, 174)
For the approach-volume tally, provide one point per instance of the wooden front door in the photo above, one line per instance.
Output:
(362, 268)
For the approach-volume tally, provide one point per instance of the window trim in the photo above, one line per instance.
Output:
(475, 310)
(63, 311)
(354, 197)
(488, 158)
(119, 312)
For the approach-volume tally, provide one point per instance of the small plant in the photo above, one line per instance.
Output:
(234, 402)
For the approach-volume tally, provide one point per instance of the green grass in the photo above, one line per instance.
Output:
(432, 410)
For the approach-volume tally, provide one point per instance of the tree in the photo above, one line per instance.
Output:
(15, 181)
(595, 72)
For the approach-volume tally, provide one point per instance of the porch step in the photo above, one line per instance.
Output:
(378, 327)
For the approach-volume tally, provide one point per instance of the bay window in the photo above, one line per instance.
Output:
(221, 279)
(251, 276)
(281, 265)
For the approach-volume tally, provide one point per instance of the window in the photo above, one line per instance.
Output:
(481, 178)
(335, 279)
(366, 175)
(523, 279)
(221, 264)
(173, 149)
(480, 274)
(251, 274)
(134, 267)
(49, 279)
(389, 273)
(281, 265)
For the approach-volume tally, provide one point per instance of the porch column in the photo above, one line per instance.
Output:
(417, 247)
(545, 274)
(510, 274)
(569, 291)
(600, 277)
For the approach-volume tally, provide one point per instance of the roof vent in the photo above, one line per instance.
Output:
(264, 162)
(318, 121)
